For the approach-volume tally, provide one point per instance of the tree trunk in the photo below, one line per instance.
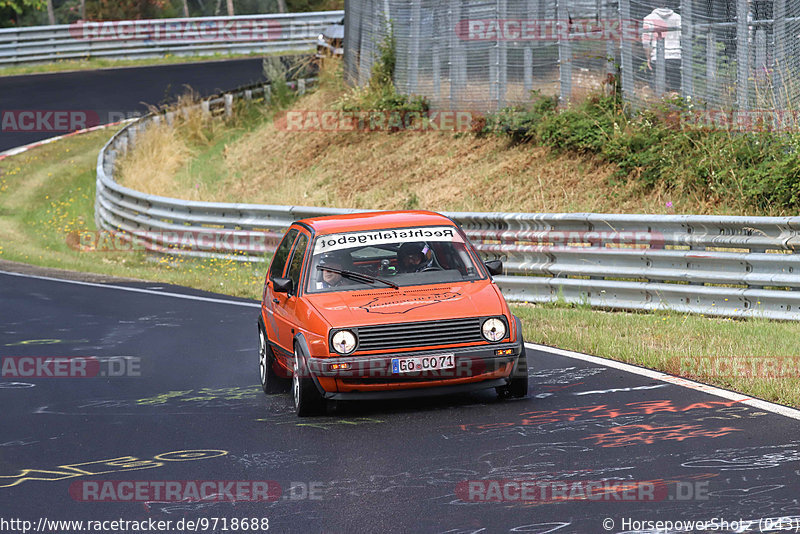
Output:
(281, 6)
(185, 7)
(51, 16)
(230, 8)
(83, 9)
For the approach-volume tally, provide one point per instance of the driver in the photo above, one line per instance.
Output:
(413, 257)
(330, 278)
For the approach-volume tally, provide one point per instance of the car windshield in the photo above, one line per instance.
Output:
(392, 257)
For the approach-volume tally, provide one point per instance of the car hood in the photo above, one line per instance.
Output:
(407, 304)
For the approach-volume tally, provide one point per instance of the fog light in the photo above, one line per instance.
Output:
(504, 352)
(340, 366)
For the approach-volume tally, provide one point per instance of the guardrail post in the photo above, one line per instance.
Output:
(267, 94)
(228, 105)
(205, 107)
(248, 95)
(301, 87)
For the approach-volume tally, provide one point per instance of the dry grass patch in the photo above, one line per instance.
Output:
(159, 155)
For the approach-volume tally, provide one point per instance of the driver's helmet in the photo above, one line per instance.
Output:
(413, 257)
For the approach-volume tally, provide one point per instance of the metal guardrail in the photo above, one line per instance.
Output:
(724, 266)
(131, 39)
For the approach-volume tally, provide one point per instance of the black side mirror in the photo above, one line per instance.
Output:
(282, 285)
(495, 267)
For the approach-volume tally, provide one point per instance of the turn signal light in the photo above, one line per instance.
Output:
(504, 352)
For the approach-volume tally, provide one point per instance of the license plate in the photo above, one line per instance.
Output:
(423, 363)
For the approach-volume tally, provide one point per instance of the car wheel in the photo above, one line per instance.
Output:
(518, 387)
(266, 371)
(307, 400)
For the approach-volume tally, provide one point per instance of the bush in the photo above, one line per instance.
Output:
(754, 171)
(380, 94)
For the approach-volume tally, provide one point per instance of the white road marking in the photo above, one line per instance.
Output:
(675, 380)
(139, 290)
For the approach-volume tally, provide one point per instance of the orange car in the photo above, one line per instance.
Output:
(385, 305)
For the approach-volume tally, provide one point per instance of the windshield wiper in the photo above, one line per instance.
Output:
(361, 277)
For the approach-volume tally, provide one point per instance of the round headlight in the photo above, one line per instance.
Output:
(344, 342)
(320, 37)
(494, 329)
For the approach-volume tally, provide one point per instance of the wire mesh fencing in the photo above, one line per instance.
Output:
(736, 55)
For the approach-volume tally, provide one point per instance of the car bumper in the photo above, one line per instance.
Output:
(371, 376)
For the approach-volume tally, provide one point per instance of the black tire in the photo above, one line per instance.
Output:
(270, 383)
(306, 396)
(518, 387)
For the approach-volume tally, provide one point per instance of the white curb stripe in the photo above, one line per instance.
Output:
(139, 290)
(676, 380)
(24, 148)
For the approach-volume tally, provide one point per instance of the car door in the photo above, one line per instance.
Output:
(285, 309)
(270, 299)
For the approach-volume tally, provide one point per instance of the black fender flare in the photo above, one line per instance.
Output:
(302, 348)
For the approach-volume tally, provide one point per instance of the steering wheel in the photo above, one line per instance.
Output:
(430, 268)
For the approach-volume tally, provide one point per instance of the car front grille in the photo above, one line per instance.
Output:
(419, 335)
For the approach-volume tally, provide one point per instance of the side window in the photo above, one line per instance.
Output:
(296, 267)
(282, 254)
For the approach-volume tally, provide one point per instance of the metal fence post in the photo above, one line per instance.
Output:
(780, 95)
(413, 46)
(457, 60)
(531, 13)
(711, 66)
(494, 62)
(564, 53)
(687, 49)
(742, 56)
(626, 53)
(367, 35)
(502, 74)
(661, 68)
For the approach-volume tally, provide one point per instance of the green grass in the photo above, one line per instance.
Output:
(104, 63)
(48, 193)
(678, 344)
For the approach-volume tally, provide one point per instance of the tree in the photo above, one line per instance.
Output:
(12, 10)
(51, 15)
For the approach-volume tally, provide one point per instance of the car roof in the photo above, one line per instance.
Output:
(375, 220)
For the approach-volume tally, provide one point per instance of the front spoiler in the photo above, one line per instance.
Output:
(481, 358)
(417, 392)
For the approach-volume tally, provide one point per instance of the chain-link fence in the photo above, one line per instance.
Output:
(483, 55)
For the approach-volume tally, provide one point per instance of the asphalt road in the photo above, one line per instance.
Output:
(108, 95)
(191, 409)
